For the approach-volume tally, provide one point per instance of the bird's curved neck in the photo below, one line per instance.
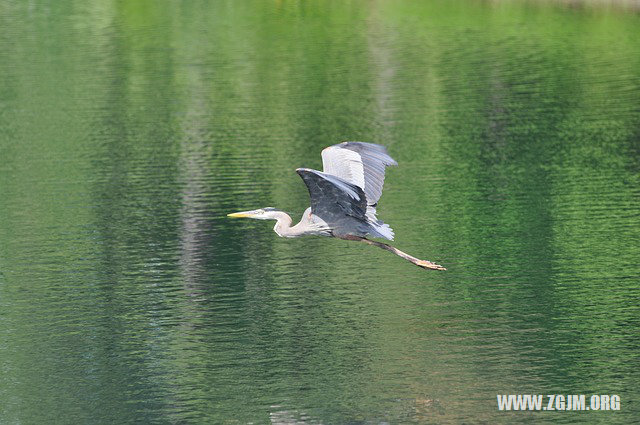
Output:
(283, 225)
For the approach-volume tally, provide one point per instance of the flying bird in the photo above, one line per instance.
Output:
(344, 197)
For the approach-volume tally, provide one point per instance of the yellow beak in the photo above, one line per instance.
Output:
(239, 214)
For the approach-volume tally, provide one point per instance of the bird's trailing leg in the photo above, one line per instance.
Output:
(418, 262)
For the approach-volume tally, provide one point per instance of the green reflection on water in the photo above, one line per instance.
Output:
(129, 130)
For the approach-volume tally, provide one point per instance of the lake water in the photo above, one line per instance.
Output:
(128, 130)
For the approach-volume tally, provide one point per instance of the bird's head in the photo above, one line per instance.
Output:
(267, 213)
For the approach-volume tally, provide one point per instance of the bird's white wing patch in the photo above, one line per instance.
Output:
(344, 163)
(359, 163)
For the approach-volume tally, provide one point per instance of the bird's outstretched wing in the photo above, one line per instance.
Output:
(359, 163)
(362, 164)
(342, 205)
(332, 198)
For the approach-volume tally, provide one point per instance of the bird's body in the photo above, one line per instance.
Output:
(344, 197)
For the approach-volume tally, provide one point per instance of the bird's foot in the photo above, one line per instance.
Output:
(429, 265)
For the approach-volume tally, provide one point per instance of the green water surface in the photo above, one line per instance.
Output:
(128, 130)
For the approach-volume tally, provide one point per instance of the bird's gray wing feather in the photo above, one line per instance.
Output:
(359, 163)
(333, 199)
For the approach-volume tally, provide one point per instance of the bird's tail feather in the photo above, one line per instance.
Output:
(382, 230)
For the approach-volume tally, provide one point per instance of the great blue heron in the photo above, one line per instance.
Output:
(344, 197)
